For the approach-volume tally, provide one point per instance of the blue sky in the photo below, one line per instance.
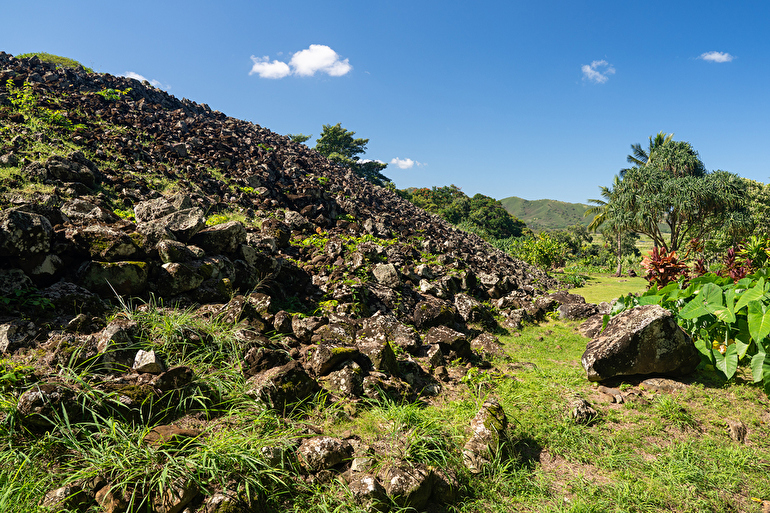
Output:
(530, 99)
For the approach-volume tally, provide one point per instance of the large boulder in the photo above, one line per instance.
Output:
(221, 238)
(110, 278)
(643, 340)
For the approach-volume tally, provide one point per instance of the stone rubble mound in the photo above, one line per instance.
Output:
(339, 285)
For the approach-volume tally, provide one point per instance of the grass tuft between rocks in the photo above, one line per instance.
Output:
(657, 451)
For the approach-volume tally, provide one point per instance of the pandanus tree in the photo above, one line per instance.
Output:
(674, 189)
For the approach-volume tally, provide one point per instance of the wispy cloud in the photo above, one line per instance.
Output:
(141, 78)
(406, 163)
(305, 63)
(597, 72)
(716, 57)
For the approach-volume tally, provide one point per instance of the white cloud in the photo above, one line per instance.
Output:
(140, 78)
(305, 63)
(319, 58)
(406, 163)
(364, 161)
(266, 69)
(716, 56)
(598, 71)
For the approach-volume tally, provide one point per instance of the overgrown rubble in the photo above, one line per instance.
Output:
(338, 285)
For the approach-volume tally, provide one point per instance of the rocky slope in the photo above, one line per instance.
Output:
(111, 189)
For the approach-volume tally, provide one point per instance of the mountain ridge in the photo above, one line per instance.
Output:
(547, 214)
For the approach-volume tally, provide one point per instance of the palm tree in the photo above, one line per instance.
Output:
(611, 215)
(640, 157)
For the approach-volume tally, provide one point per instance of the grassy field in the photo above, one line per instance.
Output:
(655, 452)
(605, 287)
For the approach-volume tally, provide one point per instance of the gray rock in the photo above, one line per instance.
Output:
(223, 238)
(381, 387)
(113, 345)
(581, 412)
(387, 275)
(175, 251)
(70, 497)
(150, 210)
(283, 386)
(104, 243)
(379, 352)
(110, 278)
(13, 280)
(175, 278)
(592, 326)
(39, 406)
(348, 381)
(368, 492)
(453, 343)
(395, 332)
(84, 212)
(68, 298)
(323, 452)
(433, 313)
(643, 340)
(260, 359)
(15, 334)
(326, 357)
(66, 170)
(472, 310)
(576, 311)
(148, 361)
(489, 436)
(303, 327)
(488, 345)
(408, 485)
(23, 233)
(174, 498)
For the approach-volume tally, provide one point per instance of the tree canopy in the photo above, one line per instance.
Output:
(482, 214)
(673, 188)
(338, 145)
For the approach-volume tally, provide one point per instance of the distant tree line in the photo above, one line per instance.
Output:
(479, 214)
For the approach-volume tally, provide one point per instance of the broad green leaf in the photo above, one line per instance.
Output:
(711, 294)
(727, 363)
(753, 294)
(693, 309)
(704, 348)
(723, 313)
(758, 365)
(743, 283)
(759, 321)
(742, 337)
(650, 300)
(668, 289)
(730, 297)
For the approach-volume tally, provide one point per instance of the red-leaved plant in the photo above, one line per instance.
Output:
(663, 267)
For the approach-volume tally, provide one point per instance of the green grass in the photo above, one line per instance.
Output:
(63, 62)
(666, 452)
(605, 287)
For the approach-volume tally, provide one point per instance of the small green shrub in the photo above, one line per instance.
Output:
(113, 94)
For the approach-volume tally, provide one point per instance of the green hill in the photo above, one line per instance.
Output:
(546, 214)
